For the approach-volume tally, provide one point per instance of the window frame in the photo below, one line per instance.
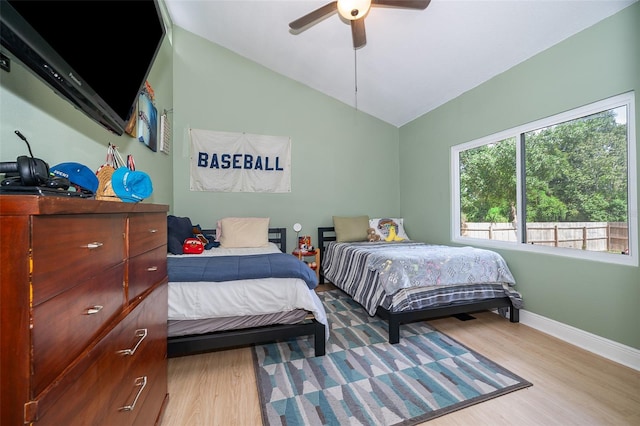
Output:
(625, 99)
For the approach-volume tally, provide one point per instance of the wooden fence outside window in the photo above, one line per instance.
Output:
(592, 236)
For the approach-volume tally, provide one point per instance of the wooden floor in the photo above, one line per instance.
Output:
(570, 386)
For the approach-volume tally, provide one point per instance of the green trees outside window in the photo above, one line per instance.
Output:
(565, 180)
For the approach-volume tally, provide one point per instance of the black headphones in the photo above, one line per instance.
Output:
(30, 171)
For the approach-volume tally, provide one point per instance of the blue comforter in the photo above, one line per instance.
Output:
(232, 268)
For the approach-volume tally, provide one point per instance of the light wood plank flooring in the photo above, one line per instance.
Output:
(570, 386)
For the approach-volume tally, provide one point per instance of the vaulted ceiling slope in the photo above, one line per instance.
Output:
(413, 60)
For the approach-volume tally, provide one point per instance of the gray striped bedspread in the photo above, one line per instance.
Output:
(408, 276)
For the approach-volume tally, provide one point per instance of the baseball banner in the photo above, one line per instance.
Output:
(239, 162)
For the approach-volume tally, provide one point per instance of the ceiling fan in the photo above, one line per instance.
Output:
(353, 11)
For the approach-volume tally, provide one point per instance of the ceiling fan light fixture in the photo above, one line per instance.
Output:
(353, 9)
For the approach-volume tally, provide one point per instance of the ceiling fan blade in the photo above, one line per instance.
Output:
(316, 15)
(358, 34)
(408, 4)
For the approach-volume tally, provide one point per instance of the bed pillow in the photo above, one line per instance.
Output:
(382, 225)
(350, 229)
(178, 229)
(238, 232)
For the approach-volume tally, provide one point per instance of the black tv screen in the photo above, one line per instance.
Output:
(95, 54)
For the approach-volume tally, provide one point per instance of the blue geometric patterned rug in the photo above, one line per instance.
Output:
(364, 380)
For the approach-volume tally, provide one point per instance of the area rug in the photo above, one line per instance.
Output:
(364, 380)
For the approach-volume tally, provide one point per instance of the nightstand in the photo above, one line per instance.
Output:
(315, 254)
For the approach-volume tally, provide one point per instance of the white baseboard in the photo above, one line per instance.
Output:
(606, 348)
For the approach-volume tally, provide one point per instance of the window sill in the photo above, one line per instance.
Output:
(612, 258)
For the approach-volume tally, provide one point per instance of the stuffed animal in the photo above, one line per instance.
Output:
(392, 235)
(372, 236)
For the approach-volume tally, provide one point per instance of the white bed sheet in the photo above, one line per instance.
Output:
(200, 300)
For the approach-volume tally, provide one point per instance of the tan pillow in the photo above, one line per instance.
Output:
(237, 232)
(351, 228)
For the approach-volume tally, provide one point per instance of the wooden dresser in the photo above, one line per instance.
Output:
(83, 311)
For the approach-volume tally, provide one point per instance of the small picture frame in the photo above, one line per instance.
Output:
(147, 122)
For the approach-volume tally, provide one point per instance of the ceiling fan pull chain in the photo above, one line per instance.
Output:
(355, 71)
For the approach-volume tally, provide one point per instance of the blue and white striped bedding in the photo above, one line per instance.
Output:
(356, 268)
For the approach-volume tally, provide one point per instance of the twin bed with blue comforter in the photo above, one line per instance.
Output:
(227, 297)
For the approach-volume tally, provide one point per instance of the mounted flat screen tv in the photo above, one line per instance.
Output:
(95, 54)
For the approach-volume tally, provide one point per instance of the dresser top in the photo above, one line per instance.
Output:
(13, 205)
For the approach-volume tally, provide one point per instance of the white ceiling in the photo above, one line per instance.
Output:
(414, 60)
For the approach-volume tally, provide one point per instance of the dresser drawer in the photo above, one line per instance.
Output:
(146, 270)
(148, 363)
(68, 249)
(133, 353)
(146, 231)
(64, 325)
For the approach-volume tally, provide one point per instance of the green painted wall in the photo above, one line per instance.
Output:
(59, 133)
(597, 63)
(344, 162)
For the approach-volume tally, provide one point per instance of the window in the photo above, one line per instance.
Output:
(564, 185)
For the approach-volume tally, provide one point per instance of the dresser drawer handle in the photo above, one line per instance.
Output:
(94, 245)
(141, 333)
(94, 309)
(153, 231)
(152, 268)
(141, 382)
